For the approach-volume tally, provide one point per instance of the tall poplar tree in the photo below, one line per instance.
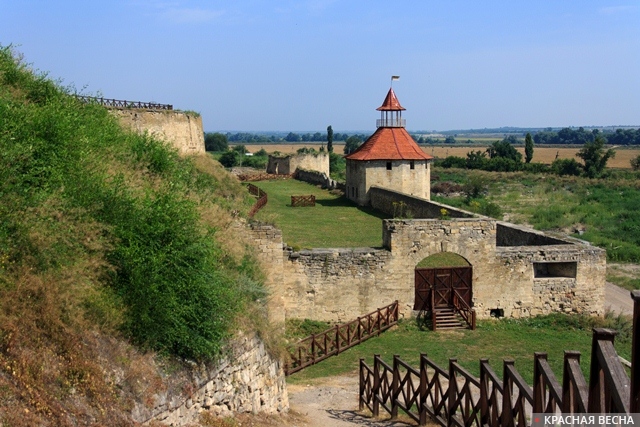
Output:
(528, 148)
(329, 139)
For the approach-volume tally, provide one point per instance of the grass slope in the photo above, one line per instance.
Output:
(105, 234)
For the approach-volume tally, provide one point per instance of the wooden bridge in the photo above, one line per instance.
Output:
(453, 397)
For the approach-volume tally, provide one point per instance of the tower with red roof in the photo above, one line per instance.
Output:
(389, 159)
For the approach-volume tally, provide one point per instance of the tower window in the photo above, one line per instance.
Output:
(388, 166)
(412, 165)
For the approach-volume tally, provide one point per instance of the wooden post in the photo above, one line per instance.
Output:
(568, 391)
(313, 349)
(507, 392)
(422, 390)
(376, 385)
(598, 395)
(484, 398)
(338, 338)
(538, 382)
(634, 404)
(451, 391)
(361, 390)
(395, 391)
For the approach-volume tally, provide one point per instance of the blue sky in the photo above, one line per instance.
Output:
(304, 65)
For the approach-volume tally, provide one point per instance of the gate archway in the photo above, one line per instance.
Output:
(443, 281)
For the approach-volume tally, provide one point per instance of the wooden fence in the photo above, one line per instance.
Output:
(333, 341)
(261, 195)
(116, 103)
(455, 397)
(302, 201)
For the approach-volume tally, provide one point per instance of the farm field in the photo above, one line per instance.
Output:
(540, 154)
(334, 222)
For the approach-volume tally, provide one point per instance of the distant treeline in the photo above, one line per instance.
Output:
(572, 136)
(289, 137)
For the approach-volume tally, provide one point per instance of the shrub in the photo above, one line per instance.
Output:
(229, 159)
(566, 167)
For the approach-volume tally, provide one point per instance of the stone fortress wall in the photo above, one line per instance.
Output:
(183, 130)
(288, 164)
(517, 270)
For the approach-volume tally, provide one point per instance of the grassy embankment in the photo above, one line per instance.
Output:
(106, 238)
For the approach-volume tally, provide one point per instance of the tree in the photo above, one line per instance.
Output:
(215, 142)
(330, 139)
(635, 163)
(450, 140)
(229, 159)
(528, 148)
(595, 157)
(351, 144)
(505, 150)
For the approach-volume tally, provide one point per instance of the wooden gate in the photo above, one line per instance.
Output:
(443, 283)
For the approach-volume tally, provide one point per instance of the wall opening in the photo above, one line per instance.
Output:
(555, 269)
(496, 312)
(388, 166)
(443, 259)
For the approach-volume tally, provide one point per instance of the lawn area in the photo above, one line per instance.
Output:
(494, 339)
(334, 222)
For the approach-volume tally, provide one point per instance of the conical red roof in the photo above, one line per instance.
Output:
(389, 143)
(391, 103)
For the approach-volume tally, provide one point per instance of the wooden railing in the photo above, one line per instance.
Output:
(464, 309)
(455, 397)
(315, 348)
(261, 195)
(116, 103)
(302, 201)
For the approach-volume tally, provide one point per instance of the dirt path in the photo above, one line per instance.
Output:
(618, 299)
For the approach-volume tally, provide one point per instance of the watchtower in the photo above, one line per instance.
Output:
(389, 158)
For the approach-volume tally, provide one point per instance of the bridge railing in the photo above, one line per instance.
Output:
(117, 103)
(317, 347)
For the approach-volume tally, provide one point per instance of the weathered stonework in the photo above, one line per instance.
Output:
(247, 380)
(411, 177)
(287, 165)
(182, 130)
(517, 270)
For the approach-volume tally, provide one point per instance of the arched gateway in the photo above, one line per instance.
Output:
(444, 291)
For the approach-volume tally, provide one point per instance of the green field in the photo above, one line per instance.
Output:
(334, 222)
(493, 339)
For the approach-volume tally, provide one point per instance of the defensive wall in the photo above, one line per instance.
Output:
(288, 164)
(181, 129)
(516, 271)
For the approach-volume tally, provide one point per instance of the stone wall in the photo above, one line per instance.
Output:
(339, 284)
(388, 201)
(183, 130)
(412, 177)
(247, 380)
(287, 165)
(317, 178)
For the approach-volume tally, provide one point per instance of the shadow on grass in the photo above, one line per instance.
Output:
(346, 203)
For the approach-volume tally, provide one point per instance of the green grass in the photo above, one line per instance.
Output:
(493, 339)
(604, 209)
(443, 259)
(334, 221)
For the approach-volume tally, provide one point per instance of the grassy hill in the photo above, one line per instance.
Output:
(111, 245)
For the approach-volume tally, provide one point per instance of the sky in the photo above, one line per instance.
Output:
(304, 65)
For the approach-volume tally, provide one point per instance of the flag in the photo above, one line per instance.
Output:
(395, 77)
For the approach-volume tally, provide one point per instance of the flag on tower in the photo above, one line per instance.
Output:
(395, 77)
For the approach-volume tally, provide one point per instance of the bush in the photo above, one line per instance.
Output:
(229, 159)
(566, 167)
(452, 162)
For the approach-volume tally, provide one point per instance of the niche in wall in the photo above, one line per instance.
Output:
(555, 269)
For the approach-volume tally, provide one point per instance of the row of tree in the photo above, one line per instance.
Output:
(502, 156)
(216, 141)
